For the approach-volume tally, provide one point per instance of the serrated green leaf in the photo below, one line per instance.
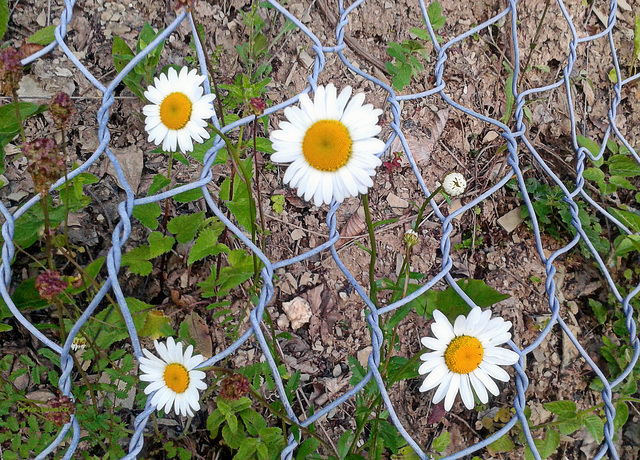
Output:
(148, 214)
(207, 243)
(138, 260)
(185, 226)
(621, 182)
(562, 408)
(159, 244)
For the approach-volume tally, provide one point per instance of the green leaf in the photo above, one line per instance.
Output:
(185, 226)
(510, 99)
(434, 11)
(594, 174)
(550, 444)
(621, 182)
(159, 182)
(4, 17)
(138, 260)
(188, 196)
(592, 146)
(452, 305)
(344, 443)
(441, 443)
(613, 76)
(277, 203)
(630, 220)
(262, 145)
(595, 426)
(622, 413)
(570, 425)
(562, 408)
(148, 214)
(207, 243)
(307, 448)
(159, 244)
(43, 36)
(627, 244)
(622, 165)
(599, 310)
(502, 444)
(8, 122)
(420, 33)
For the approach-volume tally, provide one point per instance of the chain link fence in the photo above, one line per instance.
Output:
(518, 144)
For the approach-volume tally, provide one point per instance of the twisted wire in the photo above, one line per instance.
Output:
(516, 140)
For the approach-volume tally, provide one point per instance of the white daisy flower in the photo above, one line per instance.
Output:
(454, 184)
(330, 144)
(178, 111)
(466, 355)
(173, 376)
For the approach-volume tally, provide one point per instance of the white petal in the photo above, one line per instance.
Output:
(465, 392)
(452, 392)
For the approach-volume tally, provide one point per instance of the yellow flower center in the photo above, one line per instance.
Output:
(175, 110)
(176, 376)
(464, 354)
(327, 145)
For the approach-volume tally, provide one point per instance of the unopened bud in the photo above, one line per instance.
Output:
(49, 284)
(10, 70)
(258, 106)
(62, 109)
(234, 387)
(410, 238)
(46, 163)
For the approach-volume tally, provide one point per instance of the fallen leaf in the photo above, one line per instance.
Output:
(355, 226)
(201, 334)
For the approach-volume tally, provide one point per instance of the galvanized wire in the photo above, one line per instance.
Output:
(518, 144)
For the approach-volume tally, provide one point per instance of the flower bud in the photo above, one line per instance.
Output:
(234, 387)
(46, 164)
(62, 109)
(410, 238)
(258, 106)
(10, 70)
(49, 284)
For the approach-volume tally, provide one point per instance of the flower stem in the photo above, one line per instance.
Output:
(257, 176)
(424, 206)
(14, 93)
(373, 290)
(66, 186)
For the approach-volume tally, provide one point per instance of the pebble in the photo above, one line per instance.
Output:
(337, 371)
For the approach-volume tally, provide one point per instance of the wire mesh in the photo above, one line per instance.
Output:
(518, 143)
